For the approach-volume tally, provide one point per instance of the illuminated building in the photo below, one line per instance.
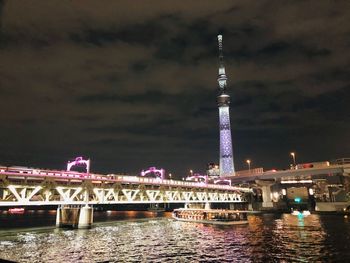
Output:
(223, 99)
(213, 170)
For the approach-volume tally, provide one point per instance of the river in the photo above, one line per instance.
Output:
(132, 236)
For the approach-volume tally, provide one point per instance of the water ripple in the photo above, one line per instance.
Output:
(266, 238)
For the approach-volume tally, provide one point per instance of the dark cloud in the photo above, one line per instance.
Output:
(333, 104)
(146, 33)
(135, 85)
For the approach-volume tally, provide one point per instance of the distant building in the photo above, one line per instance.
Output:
(213, 170)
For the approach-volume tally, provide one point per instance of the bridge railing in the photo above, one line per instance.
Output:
(158, 181)
(253, 171)
(340, 161)
(20, 173)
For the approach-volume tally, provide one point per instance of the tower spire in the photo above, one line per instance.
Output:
(222, 74)
(226, 154)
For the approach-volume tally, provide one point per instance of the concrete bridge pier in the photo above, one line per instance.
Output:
(207, 206)
(266, 193)
(86, 217)
(58, 217)
(76, 217)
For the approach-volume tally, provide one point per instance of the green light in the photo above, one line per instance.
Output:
(297, 199)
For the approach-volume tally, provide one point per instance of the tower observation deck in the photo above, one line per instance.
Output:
(223, 100)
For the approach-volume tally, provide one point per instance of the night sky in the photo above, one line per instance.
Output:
(132, 84)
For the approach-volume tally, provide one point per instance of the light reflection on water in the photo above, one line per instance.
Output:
(279, 238)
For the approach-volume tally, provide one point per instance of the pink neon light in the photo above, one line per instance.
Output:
(223, 180)
(78, 162)
(196, 177)
(157, 172)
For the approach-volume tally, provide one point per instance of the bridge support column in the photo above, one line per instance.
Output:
(85, 217)
(58, 217)
(266, 193)
(76, 217)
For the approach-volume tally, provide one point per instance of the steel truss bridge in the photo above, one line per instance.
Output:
(31, 187)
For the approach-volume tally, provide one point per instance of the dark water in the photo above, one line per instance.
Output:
(144, 237)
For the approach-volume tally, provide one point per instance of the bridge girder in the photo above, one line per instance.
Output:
(53, 193)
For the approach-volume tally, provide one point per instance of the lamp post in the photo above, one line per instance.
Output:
(293, 156)
(248, 162)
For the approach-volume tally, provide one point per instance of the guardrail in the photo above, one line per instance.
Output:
(253, 171)
(340, 161)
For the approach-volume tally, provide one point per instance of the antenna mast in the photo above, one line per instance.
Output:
(222, 78)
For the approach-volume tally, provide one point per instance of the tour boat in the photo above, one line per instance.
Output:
(211, 216)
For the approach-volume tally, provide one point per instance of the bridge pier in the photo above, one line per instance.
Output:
(207, 206)
(86, 217)
(76, 217)
(266, 193)
(58, 217)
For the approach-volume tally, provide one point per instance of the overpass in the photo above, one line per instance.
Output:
(278, 175)
(323, 188)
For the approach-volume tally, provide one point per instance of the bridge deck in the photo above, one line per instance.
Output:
(301, 173)
(46, 187)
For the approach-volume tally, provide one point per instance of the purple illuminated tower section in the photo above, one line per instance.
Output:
(223, 99)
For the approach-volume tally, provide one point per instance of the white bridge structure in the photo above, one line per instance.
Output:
(21, 186)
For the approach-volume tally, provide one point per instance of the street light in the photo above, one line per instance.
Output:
(293, 156)
(170, 176)
(248, 162)
(191, 172)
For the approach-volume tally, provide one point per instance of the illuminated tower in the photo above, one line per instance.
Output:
(226, 155)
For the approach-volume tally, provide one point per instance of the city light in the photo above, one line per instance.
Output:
(293, 156)
(248, 162)
(297, 182)
(297, 199)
